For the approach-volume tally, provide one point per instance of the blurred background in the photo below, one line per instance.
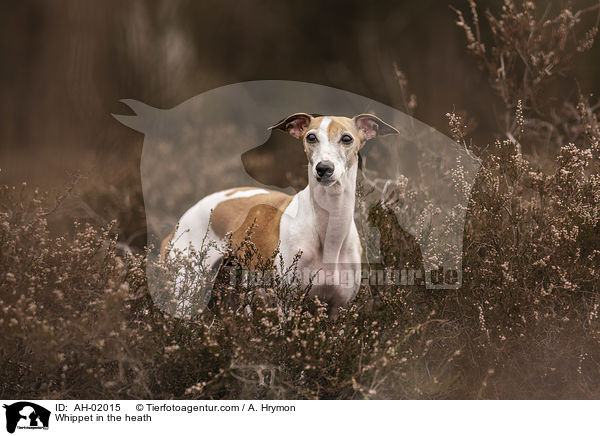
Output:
(64, 66)
(524, 325)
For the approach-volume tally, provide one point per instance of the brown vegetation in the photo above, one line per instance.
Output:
(77, 320)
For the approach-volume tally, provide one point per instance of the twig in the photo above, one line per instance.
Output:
(66, 194)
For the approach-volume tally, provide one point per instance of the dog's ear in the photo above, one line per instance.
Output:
(371, 126)
(295, 124)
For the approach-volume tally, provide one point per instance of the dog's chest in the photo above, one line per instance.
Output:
(301, 237)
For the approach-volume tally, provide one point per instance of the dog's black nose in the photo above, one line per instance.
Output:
(325, 168)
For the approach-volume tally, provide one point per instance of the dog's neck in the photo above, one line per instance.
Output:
(333, 209)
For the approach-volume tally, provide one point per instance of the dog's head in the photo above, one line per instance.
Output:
(332, 143)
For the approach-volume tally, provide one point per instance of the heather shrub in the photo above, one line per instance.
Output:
(78, 321)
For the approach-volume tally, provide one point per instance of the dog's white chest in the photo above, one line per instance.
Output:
(331, 281)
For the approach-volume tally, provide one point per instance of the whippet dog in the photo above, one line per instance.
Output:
(318, 221)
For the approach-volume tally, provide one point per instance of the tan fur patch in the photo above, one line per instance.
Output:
(336, 128)
(164, 244)
(239, 214)
(234, 190)
(337, 125)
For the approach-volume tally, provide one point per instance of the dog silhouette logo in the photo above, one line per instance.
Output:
(220, 139)
(26, 415)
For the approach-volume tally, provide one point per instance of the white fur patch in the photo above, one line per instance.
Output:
(292, 209)
(323, 136)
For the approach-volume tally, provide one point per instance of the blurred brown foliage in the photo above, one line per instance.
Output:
(77, 320)
(65, 65)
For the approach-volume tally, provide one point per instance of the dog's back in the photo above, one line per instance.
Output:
(234, 211)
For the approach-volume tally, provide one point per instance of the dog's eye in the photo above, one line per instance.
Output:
(346, 139)
(311, 137)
